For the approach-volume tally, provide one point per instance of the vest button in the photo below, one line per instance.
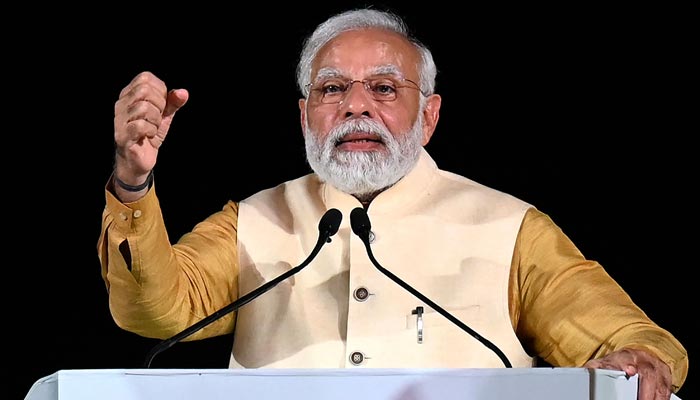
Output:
(360, 294)
(356, 358)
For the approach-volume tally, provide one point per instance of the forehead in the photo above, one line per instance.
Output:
(360, 53)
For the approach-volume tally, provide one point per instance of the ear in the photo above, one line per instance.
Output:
(302, 115)
(431, 114)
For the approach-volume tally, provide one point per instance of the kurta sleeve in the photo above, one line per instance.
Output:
(567, 309)
(157, 289)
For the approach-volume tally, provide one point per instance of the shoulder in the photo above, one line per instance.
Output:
(303, 183)
(479, 193)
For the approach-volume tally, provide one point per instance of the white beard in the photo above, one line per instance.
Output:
(363, 173)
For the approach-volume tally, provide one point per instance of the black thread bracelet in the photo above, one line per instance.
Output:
(132, 188)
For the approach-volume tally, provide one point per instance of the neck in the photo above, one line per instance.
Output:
(366, 198)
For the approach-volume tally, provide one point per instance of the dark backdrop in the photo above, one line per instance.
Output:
(579, 111)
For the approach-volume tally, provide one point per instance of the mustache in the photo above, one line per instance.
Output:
(359, 125)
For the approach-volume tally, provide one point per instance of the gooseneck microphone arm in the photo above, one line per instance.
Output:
(327, 226)
(359, 221)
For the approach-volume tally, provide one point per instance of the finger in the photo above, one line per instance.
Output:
(176, 98)
(138, 130)
(141, 120)
(140, 96)
(611, 364)
(144, 83)
(650, 388)
(141, 102)
(145, 111)
(654, 380)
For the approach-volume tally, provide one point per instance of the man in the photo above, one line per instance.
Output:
(494, 262)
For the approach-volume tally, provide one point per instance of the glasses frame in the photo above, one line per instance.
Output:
(349, 83)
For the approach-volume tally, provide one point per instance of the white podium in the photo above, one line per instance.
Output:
(335, 384)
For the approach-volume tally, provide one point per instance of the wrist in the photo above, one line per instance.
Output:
(133, 188)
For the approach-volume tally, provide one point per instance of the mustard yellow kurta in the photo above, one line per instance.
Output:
(498, 264)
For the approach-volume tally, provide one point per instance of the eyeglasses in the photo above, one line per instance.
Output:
(334, 90)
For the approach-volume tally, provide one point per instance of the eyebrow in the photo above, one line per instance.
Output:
(388, 69)
(328, 72)
(332, 72)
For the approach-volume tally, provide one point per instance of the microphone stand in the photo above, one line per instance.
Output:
(328, 226)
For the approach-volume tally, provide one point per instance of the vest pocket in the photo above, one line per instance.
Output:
(468, 315)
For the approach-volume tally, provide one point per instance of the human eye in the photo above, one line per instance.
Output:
(383, 87)
(332, 86)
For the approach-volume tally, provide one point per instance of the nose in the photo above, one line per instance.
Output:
(357, 101)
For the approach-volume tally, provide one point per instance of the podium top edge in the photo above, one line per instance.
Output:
(341, 371)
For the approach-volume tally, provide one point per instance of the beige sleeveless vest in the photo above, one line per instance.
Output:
(449, 238)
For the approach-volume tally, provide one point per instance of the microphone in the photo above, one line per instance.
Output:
(359, 221)
(327, 226)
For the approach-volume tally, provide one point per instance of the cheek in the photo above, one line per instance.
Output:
(320, 123)
(398, 121)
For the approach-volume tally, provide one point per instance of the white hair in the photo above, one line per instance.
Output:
(362, 19)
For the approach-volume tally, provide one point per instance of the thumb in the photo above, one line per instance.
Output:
(176, 99)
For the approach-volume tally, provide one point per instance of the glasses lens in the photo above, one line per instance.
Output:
(334, 90)
(382, 89)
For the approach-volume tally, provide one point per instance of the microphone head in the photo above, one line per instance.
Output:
(359, 221)
(330, 222)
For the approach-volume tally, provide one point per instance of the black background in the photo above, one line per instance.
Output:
(582, 111)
